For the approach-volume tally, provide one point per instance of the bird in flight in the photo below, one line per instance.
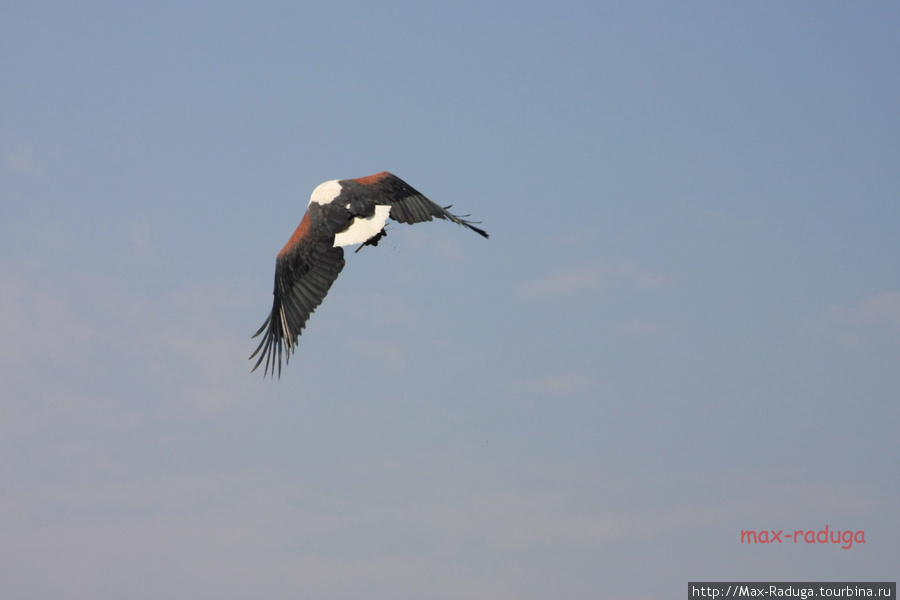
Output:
(343, 212)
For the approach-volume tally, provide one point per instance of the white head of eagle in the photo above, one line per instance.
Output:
(342, 212)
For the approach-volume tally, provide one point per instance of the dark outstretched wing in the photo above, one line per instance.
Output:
(304, 272)
(408, 205)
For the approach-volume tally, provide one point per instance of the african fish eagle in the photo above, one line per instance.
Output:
(340, 213)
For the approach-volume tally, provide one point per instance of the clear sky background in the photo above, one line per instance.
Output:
(686, 322)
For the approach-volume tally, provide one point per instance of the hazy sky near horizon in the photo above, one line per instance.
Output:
(686, 322)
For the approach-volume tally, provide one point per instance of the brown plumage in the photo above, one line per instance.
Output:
(340, 213)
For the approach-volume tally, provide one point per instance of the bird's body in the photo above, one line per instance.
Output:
(340, 213)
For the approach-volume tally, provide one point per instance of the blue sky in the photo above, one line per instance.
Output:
(686, 322)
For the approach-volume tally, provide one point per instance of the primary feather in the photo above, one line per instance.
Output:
(340, 213)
